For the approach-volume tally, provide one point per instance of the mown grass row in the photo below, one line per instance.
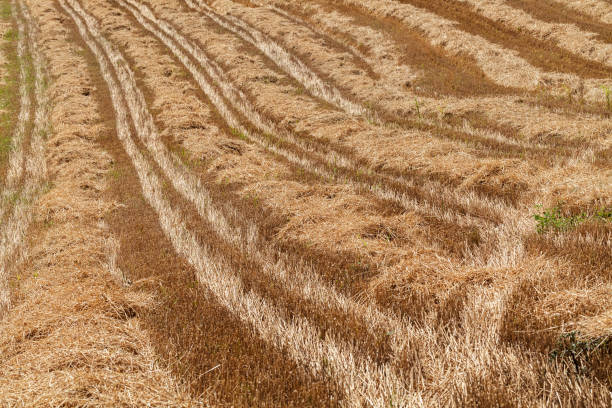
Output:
(24, 178)
(213, 272)
(172, 300)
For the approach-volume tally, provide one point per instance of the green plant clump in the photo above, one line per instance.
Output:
(553, 219)
(571, 348)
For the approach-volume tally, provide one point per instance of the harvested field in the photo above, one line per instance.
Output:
(324, 203)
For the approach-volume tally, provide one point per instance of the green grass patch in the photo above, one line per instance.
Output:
(555, 219)
(9, 85)
(239, 134)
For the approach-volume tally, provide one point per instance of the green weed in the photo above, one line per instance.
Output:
(252, 196)
(11, 35)
(605, 214)
(553, 219)
(568, 91)
(13, 198)
(239, 134)
(571, 348)
(606, 91)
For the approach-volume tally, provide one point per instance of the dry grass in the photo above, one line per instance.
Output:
(263, 203)
(303, 342)
(598, 9)
(72, 337)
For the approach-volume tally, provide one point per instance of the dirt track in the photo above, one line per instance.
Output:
(330, 203)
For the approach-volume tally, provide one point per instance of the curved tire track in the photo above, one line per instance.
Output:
(361, 380)
(14, 229)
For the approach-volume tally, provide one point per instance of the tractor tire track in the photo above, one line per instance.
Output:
(335, 158)
(301, 340)
(567, 36)
(554, 12)
(305, 283)
(33, 169)
(399, 85)
(15, 170)
(276, 51)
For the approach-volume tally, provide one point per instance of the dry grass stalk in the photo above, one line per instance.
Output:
(333, 159)
(600, 9)
(568, 36)
(482, 314)
(32, 165)
(373, 384)
(71, 337)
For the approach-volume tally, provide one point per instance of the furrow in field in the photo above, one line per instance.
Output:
(334, 159)
(305, 286)
(70, 337)
(288, 62)
(15, 169)
(16, 225)
(504, 66)
(543, 53)
(423, 67)
(403, 60)
(508, 251)
(555, 12)
(499, 64)
(247, 23)
(400, 83)
(298, 281)
(361, 381)
(599, 9)
(567, 36)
